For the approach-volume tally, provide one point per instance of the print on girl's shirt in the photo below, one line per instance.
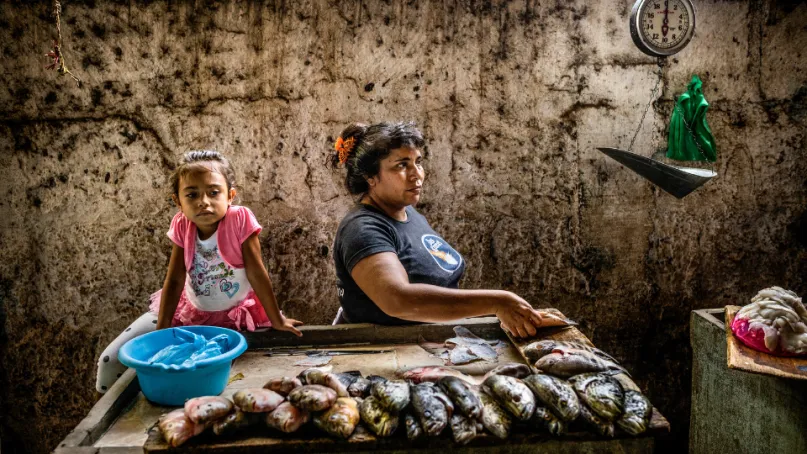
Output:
(214, 284)
(444, 255)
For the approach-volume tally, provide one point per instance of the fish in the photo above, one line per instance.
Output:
(434, 373)
(556, 394)
(312, 397)
(324, 369)
(235, 421)
(545, 419)
(512, 394)
(176, 428)
(567, 363)
(392, 394)
(464, 397)
(599, 425)
(468, 347)
(340, 420)
(413, 430)
(379, 420)
(554, 317)
(283, 385)
(361, 433)
(257, 400)
(206, 409)
(636, 417)
(360, 388)
(602, 393)
(315, 376)
(537, 350)
(494, 418)
(517, 370)
(287, 418)
(349, 377)
(463, 429)
(431, 410)
(373, 379)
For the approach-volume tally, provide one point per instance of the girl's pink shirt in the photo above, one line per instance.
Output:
(234, 228)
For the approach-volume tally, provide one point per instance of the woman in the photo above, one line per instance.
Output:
(391, 267)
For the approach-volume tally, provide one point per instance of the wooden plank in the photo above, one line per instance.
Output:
(311, 440)
(362, 333)
(740, 357)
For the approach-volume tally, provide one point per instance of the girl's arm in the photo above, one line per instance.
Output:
(383, 278)
(172, 287)
(259, 279)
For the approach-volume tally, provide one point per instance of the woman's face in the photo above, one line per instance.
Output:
(400, 178)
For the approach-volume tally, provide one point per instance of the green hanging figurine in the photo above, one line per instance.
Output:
(691, 108)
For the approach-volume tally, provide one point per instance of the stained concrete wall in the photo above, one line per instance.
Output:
(513, 98)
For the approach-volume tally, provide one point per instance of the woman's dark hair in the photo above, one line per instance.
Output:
(202, 161)
(371, 145)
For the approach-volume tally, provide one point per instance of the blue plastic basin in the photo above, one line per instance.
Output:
(174, 385)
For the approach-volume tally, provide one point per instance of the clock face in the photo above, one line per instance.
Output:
(664, 23)
(662, 27)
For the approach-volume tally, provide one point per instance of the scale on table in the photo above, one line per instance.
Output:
(661, 28)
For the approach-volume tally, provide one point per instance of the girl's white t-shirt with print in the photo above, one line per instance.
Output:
(212, 284)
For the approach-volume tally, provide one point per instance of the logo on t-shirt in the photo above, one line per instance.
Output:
(444, 255)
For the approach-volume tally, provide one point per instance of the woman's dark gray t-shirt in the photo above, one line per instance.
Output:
(365, 231)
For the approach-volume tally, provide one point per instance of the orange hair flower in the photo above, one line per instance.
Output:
(344, 147)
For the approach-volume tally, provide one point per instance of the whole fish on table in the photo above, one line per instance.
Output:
(636, 417)
(463, 429)
(340, 420)
(315, 376)
(287, 418)
(176, 428)
(595, 422)
(283, 385)
(312, 397)
(556, 394)
(512, 394)
(434, 373)
(494, 418)
(463, 395)
(602, 393)
(360, 387)
(257, 400)
(545, 419)
(413, 430)
(378, 419)
(517, 370)
(235, 421)
(392, 394)
(537, 350)
(202, 410)
(430, 409)
(567, 363)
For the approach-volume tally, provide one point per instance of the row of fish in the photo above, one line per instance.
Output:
(426, 402)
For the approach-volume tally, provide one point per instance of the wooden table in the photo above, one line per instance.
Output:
(123, 421)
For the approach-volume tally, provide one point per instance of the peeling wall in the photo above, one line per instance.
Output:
(513, 98)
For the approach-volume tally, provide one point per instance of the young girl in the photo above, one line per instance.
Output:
(215, 274)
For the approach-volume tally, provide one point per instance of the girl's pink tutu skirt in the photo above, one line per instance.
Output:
(247, 315)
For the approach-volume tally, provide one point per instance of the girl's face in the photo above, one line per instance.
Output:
(204, 198)
(400, 178)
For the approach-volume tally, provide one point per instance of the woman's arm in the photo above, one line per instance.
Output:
(383, 278)
(172, 287)
(259, 279)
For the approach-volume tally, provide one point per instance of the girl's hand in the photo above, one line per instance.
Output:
(518, 317)
(289, 325)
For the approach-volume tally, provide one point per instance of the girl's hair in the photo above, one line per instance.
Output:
(361, 148)
(202, 161)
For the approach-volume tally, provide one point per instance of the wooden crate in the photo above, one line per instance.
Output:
(123, 421)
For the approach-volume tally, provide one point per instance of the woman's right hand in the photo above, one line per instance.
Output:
(517, 316)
